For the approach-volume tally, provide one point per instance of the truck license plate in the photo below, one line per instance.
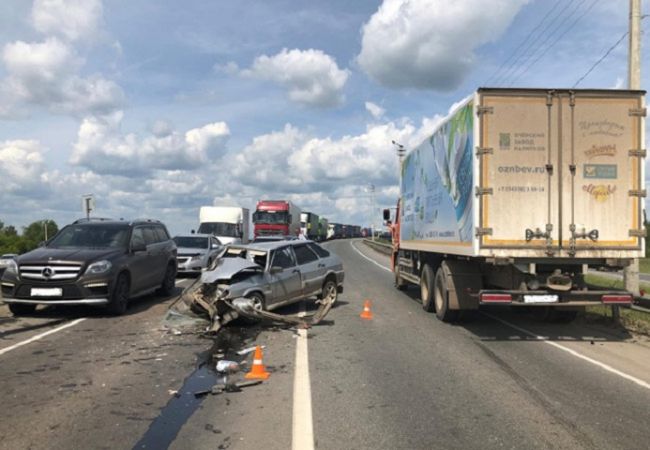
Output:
(46, 292)
(540, 298)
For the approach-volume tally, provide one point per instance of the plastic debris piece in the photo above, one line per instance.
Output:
(227, 366)
(248, 350)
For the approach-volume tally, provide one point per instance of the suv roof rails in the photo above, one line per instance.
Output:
(92, 219)
(146, 220)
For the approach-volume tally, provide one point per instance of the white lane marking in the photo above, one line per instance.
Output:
(369, 259)
(543, 339)
(303, 424)
(574, 353)
(41, 336)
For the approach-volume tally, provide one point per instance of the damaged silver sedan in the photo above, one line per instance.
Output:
(252, 280)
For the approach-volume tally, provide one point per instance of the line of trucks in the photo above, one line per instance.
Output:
(516, 195)
(231, 224)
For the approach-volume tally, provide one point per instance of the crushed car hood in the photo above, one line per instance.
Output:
(226, 268)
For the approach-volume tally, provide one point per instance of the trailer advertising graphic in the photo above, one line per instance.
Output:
(437, 183)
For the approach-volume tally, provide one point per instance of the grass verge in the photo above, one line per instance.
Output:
(632, 320)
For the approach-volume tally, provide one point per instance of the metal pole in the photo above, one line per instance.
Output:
(631, 272)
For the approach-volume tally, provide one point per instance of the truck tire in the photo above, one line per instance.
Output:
(399, 282)
(441, 298)
(426, 288)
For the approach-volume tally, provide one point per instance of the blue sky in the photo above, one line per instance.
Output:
(160, 107)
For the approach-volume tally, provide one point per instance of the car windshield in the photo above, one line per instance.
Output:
(92, 236)
(270, 217)
(191, 241)
(219, 229)
(256, 256)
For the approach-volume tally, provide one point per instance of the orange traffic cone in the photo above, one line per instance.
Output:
(366, 314)
(258, 371)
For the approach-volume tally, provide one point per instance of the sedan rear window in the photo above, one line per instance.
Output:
(320, 251)
(304, 255)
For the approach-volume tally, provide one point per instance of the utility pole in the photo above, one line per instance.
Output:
(631, 272)
(371, 189)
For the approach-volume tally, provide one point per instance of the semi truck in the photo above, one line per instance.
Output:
(323, 226)
(309, 225)
(276, 217)
(516, 194)
(230, 224)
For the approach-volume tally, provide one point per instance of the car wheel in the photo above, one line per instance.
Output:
(258, 303)
(330, 291)
(21, 309)
(169, 282)
(426, 288)
(120, 298)
(442, 299)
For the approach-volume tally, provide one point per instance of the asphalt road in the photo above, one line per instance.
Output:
(402, 380)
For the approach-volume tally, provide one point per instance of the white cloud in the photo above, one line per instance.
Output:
(69, 19)
(310, 76)
(620, 83)
(44, 74)
(101, 147)
(22, 165)
(375, 110)
(430, 44)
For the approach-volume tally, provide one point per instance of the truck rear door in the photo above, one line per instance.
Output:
(560, 171)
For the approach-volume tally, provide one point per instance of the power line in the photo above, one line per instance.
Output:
(523, 54)
(530, 35)
(601, 59)
(569, 28)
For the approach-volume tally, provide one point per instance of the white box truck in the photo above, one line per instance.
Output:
(309, 223)
(230, 224)
(516, 193)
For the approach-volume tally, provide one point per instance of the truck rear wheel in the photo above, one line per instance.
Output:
(441, 296)
(399, 282)
(426, 288)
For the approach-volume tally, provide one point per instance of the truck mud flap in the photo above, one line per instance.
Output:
(464, 281)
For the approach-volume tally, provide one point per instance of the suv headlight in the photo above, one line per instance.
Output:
(11, 266)
(98, 267)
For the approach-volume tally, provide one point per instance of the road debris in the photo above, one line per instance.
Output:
(225, 366)
(205, 301)
(248, 350)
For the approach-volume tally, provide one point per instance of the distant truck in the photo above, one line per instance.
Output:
(276, 217)
(335, 231)
(323, 226)
(515, 194)
(230, 224)
(309, 225)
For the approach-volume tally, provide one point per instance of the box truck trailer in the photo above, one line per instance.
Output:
(515, 194)
(309, 225)
(230, 224)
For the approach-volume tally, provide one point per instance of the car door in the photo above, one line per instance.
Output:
(311, 269)
(139, 261)
(286, 284)
(156, 255)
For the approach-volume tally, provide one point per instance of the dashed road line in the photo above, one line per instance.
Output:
(303, 423)
(41, 336)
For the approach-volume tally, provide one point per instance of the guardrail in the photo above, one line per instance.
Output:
(379, 246)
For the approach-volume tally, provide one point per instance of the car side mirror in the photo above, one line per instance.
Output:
(139, 247)
(215, 246)
(275, 269)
